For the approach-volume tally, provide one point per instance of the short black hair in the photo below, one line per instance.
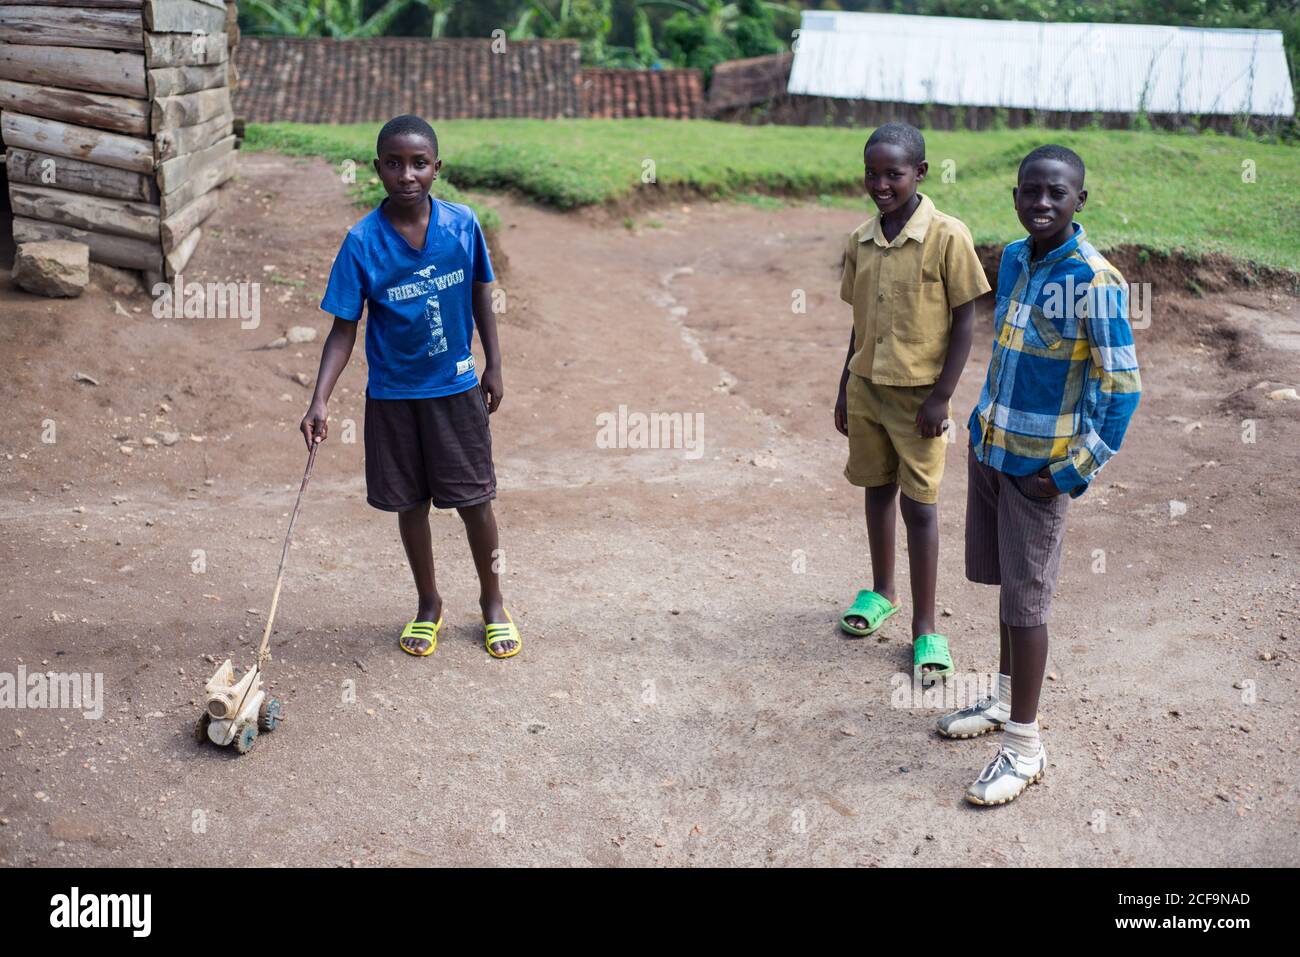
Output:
(900, 134)
(405, 125)
(1061, 154)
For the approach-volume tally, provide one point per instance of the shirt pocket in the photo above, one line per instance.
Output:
(920, 311)
(1041, 330)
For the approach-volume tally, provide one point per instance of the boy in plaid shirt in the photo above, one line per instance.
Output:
(1061, 387)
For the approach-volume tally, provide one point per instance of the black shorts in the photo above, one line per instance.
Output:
(437, 449)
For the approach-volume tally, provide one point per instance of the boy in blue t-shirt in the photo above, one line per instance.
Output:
(419, 267)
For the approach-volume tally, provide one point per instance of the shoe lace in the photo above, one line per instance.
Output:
(1003, 761)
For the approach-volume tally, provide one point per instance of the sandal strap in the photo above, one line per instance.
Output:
(422, 629)
(931, 649)
(869, 605)
(495, 632)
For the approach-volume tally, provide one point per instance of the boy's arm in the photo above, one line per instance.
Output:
(486, 321)
(964, 282)
(848, 278)
(932, 415)
(841, 400)
(1114, 385)
(334, 358)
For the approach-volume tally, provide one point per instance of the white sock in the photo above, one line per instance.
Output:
(1002, 706)
(1022, 737)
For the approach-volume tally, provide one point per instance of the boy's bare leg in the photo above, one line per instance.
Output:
(1028, 662)
(922, 522)
(1004, 647)
(418, 542)
(880, 540)
(481, 530)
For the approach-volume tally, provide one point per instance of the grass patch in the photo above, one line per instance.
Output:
(343, 144)
(1157, 190)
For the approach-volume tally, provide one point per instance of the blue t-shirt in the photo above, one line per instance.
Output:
(421, 315)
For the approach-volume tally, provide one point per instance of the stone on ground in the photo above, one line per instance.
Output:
(53, 268)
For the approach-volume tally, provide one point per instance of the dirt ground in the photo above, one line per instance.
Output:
(684, 697)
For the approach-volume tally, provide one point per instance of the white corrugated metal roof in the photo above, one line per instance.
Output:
(1085, 67)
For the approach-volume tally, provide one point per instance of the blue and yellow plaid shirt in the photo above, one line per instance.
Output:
(1063, 378)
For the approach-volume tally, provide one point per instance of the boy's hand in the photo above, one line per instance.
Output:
(1043, 485)
(842, 413)
(492, 389)
(932, 418)
(315, 425)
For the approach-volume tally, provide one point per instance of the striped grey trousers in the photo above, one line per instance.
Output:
(1013, 539)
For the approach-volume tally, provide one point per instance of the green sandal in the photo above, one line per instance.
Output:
(931, 650)
(870, 606)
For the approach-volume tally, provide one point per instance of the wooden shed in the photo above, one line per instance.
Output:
(116, 124)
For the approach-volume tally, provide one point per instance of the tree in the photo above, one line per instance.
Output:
(326, 18)
(587, 21)
(703, 33)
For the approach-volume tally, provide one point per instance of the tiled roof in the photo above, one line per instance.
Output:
(747, 82)
(320, 80)
(671, 94)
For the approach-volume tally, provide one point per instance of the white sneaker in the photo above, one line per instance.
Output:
(985, 715)
(1006, 776)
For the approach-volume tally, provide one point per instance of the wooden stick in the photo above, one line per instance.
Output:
(263, 653)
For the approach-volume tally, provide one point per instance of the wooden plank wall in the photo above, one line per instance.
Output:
(116, 119)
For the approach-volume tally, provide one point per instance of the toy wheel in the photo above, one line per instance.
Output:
(201, 729)
(270, 714)
(245, 738)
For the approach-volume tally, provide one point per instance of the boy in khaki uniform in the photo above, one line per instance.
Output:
(912, 276)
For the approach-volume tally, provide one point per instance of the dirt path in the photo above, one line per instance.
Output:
(683, 697)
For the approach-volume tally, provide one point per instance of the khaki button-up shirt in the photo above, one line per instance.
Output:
(903, 294)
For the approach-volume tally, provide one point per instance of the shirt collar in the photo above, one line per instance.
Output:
(1057, 254)
(915, 227)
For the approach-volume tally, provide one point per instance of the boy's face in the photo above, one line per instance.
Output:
(890, 178)
(407, 166)
(1047, 196)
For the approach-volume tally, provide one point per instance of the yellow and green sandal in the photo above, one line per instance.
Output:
(420, 631)
(496, 632)
(871, 607)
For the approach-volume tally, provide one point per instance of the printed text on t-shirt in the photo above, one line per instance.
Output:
(411, 290)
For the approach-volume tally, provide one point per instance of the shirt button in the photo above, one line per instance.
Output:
(880, 338)
(880, 296)
(886, 252)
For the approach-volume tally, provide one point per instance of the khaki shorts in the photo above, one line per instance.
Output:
(884, 445)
